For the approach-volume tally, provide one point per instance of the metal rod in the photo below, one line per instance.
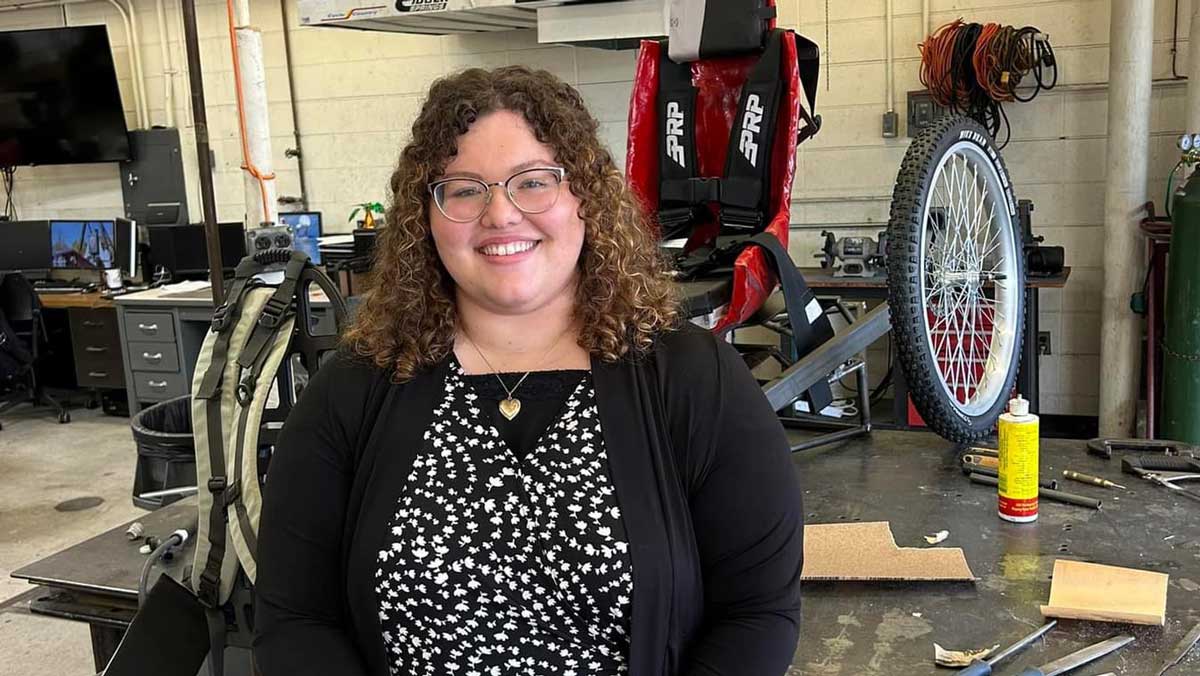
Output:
(291, 81)
(1008, 652)
(212, 235)
(1047, 493)
(828, 439)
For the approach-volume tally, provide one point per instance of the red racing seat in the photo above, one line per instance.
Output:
(718, 84)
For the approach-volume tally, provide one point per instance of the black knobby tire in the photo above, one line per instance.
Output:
(940, 412)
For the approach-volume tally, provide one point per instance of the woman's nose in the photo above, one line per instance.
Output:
(500, 211)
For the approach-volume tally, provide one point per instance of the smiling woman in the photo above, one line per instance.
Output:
(523, 462)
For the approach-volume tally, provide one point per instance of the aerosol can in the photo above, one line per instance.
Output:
(1018, 430)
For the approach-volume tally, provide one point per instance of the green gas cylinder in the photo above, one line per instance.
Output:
(1181, 344)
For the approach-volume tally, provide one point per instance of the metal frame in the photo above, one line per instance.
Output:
(833, 360)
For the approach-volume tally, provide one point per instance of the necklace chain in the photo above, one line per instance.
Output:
(496, 372)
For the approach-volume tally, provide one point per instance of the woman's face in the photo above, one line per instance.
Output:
(507, 261)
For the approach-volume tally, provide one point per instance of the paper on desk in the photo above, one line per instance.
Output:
(331, 240)
(184, 287)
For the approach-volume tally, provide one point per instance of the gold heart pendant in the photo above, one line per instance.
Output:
(510, 407)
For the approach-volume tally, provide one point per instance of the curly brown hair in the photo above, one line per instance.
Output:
(624, 298)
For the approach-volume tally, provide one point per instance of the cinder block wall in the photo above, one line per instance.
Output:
(357, 94)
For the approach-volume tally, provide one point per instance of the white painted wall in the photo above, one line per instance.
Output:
(357, 94)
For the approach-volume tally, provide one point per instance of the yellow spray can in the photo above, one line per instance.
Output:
(1018, 429)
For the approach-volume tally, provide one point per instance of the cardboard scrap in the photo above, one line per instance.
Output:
(868, 552)
(1090, 591)
(960, 658)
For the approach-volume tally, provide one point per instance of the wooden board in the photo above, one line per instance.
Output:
(1090, 591)
(75, 300)
(868, 552)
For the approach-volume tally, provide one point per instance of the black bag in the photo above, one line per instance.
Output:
(702, 29)
(15, 358)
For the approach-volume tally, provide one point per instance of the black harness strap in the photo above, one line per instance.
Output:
(276, 309)
(676, 144)
(745, 188)
(808, 62)
(810, 326)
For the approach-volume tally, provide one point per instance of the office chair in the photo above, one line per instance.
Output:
(19, 304)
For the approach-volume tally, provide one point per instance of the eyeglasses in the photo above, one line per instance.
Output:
(463, 200)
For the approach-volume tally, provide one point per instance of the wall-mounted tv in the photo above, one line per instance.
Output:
(59, 102)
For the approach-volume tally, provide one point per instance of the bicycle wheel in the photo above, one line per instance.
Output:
(956, 278)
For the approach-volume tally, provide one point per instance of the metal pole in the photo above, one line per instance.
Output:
(212, 235)
(287, 53)
(1131, 39)
(1192, 117)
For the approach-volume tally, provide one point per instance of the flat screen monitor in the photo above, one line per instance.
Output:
(82, 245)
(125, 239)
(24, 245)
(59, 102)
(306, 228)
(182, 249)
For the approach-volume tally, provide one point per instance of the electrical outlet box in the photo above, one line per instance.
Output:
(891, 124)
(922, 111)
(1043, 342)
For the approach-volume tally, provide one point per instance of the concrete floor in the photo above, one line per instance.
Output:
(42, 464)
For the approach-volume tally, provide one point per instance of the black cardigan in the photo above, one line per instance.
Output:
(699, 462)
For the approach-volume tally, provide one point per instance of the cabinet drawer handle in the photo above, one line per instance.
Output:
(155, 358)
(92, 324)
(148, 328)
(157, 384)
(97, 374)
(95, 349)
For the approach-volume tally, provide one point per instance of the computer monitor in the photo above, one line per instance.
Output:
(182, 249)
(125, 239)
(24, 245)
(82, 245)
(306, 228)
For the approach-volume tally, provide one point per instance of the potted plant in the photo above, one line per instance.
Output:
(368, 209)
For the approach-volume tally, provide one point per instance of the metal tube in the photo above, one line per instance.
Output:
(828, 439)
(291, 81)
(135, 46)
(168, 72)
(1192, 117)
(890, 59)
(203, 154)
(1130, 49)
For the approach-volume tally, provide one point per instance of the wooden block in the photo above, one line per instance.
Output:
(868, 552)
(1090, 591)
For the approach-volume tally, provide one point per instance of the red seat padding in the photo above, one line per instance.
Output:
(719, 83)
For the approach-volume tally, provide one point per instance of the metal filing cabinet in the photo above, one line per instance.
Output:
(96, 345)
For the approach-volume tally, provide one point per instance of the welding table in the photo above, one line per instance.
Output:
(849, 629)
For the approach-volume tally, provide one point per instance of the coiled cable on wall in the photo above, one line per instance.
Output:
(974, 69)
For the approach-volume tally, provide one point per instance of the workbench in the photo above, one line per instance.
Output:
(911, 479)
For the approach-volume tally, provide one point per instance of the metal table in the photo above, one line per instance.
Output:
(908, 478)
(913, 480)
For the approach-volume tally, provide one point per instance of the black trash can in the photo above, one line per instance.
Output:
(166, 452)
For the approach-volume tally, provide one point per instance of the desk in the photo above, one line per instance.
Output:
(161, 334)
(822, 281)
(95, 342)
(908, 478)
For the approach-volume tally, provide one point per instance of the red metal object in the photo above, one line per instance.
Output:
(719, 83)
